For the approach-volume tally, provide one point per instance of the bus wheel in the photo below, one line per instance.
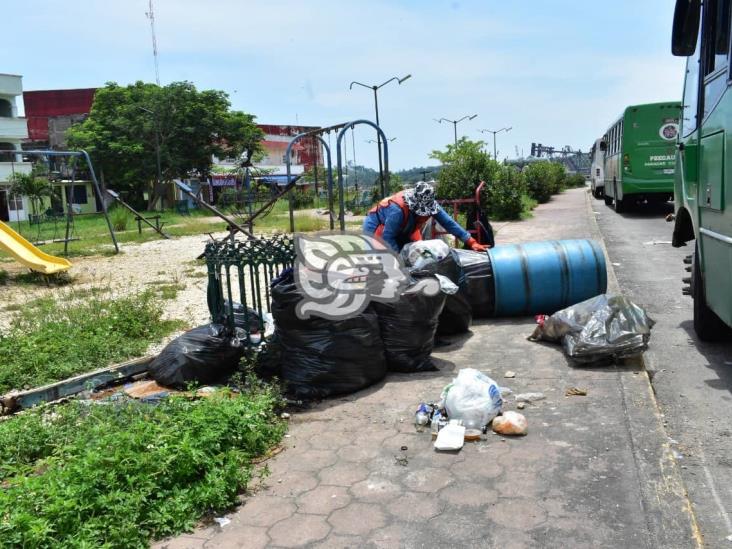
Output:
(598, 193)
(707, 324)
(618, 204)
(608, 199)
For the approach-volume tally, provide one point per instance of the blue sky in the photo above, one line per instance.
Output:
(558, 72)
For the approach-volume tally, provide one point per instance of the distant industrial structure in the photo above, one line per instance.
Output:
(574, 161)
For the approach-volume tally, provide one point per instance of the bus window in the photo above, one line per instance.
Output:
(714, 50)
(691, 92)
(721, 34)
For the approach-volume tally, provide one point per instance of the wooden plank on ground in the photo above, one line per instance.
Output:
(21, 400)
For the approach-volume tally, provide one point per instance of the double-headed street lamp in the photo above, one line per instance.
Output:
(375, 88)
(455, 122)
(494, 132)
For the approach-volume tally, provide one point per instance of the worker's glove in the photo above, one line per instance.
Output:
(475, 246)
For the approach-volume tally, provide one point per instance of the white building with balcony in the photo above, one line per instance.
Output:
(12, 131)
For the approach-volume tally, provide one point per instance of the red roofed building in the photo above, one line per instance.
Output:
(50, 113)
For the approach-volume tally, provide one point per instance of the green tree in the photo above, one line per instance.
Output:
(35, 187)
(127, 124)
(464, 166)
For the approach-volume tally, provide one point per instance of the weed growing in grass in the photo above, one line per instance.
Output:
(120, 218)
(63, 336)
(4, 276)
(33, 278)
(170, 291)
(80, 475)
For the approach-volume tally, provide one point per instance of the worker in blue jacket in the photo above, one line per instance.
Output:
(399, 219)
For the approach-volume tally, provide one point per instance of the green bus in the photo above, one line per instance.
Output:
(703, 185)
(639, 154)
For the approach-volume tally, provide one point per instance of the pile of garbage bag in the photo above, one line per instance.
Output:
(320, 357)
(408, 326)
(477, 286)
(456, 315)
(603, 327)
(201, 355)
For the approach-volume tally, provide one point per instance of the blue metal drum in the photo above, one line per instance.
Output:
(543, 277)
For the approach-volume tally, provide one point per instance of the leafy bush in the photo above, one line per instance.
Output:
(575, 180)
(543, 179)
(502, 196)
(228, 198)
(538, 181)
(557, 177)
(4, 276)
(303, 199)
(52, 339)
(117, 475)
(120, 218)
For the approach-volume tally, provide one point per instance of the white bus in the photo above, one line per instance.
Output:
(597, 176)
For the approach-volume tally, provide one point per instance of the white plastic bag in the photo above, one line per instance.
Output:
(473, 397)
(423, 252)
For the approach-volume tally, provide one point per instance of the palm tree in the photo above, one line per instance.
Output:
(30, 185)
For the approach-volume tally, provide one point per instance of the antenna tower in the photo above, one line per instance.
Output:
(151, 16)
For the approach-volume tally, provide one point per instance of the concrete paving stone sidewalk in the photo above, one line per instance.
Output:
(593, 471)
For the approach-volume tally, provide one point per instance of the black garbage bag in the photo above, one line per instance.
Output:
(408, 328)
(321, 357)
(478, 281)
(244, 316)
(201, 355)
(476, 219)
(456, 315)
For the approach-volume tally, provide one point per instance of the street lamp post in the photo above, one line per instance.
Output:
(455, 122)
(375, 88)
(494, 132)
(157, 146)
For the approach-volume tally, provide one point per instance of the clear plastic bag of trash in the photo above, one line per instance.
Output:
(605, 326)
(424, 252)
(472, 397)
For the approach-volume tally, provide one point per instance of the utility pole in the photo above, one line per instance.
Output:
(375, 89)
(495, 132)
(151, 16)
(157, 149)
(455, 123)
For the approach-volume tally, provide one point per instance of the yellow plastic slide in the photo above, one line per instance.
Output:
(30, 256)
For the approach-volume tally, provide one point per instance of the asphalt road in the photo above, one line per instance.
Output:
(692, 380)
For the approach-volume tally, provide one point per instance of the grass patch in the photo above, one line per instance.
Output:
(63, 336)
(527, 205)
(4, 276)
(79, 475)
(170, 291)
(93, 234)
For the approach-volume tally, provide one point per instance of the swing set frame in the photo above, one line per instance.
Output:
(97, 189)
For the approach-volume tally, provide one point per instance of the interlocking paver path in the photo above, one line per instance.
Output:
(592, 471)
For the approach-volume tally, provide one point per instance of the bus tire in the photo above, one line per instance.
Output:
(598, 193)
(618, 204)
(707, 325)
(608, 199)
